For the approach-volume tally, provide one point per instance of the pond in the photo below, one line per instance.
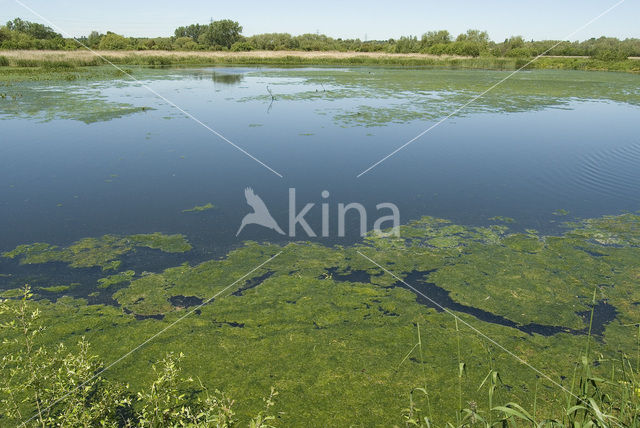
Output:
(126, 217)
(89, 158)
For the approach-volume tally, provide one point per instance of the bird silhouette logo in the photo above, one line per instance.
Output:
(260, 214)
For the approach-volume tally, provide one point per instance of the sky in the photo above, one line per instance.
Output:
(371, 20)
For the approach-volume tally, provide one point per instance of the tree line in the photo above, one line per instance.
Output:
(226, 34)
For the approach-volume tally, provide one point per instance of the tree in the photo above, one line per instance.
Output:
(113, 41)
(94, 39)
(185, 43)
(476, 36)
(431, 38)
(407, 45)
(221, 33)
(193, 31)
(35, 30)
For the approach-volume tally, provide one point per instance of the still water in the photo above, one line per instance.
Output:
(84, 159)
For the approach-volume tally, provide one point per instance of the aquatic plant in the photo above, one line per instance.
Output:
(64, 386)
(319, 321)
(117, 279)
(200, 208)
(102, 252)
(59, 288)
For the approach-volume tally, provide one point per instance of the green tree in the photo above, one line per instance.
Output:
(93, 41)
(193, 31)
(113, 41)
(35, 30)
(184, 43)
(476, 36)
(431, 38)
(221, 33)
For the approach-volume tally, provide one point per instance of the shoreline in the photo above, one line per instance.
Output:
(60, 60)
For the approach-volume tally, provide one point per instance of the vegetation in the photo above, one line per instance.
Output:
(226, 35)
(200, 208)
(103, 252)
(63, 387)
(318, 321)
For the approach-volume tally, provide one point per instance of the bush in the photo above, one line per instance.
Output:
(241, 47)
(4, 61)
(113, 41)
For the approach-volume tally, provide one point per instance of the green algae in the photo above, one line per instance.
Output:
(315, 335)
(200, 208)
(380, 96)
(502, 219)
(162, 242)
(64, 101)
(103, 252)
(12, 293)
(59, 288)
(623, 230)
(117, 279)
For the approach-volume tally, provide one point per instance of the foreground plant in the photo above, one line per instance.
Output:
(595, 403)
(64, 388)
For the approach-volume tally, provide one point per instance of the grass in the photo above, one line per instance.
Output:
(75, 59)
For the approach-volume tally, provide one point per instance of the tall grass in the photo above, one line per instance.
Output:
(591, 401)
(160, 58)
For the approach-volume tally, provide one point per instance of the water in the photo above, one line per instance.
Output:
(78, 161)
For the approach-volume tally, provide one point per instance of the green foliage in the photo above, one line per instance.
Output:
(33, 29)
(432, 38)
(93, 40)
(193, 31)
(226, 34)
(113, 41)
(223, 33)
(64, 387)
(185, 44)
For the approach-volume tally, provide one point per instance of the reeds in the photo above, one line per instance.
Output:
(592, 401)
(83, 58)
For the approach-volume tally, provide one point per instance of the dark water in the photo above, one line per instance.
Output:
(533, 147)
(430, 295)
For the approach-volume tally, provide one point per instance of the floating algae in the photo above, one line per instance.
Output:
(103, 252)
(200, 208)
(317, 321)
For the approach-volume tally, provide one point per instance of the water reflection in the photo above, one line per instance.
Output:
(227, 78)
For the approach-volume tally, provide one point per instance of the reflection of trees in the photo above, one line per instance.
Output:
(227, 79)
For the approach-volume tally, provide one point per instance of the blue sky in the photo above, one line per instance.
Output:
(541, 19)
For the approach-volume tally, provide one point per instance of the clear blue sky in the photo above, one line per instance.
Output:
(540, 19)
